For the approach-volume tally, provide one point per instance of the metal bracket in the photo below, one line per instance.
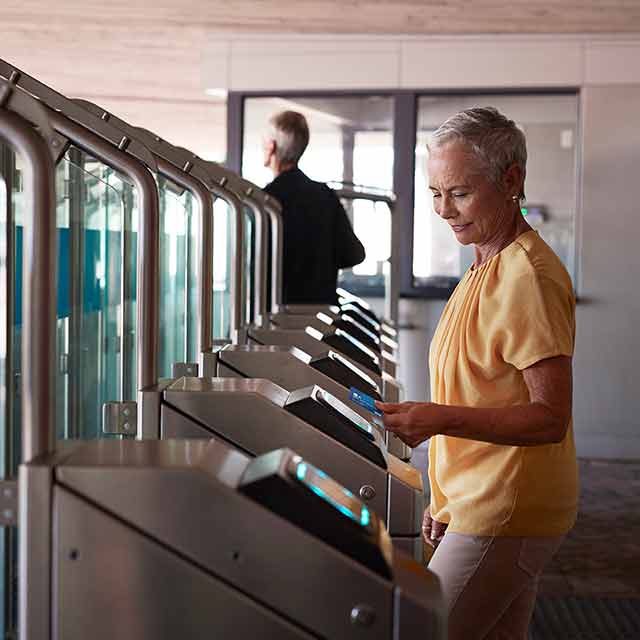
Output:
(185, 370)
(12, 97)
(120, 418)
(8, 503)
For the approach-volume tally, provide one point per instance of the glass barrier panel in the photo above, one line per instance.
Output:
(221, 269)
(174, 275)
(90, 216)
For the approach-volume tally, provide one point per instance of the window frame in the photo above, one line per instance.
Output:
(405, 126)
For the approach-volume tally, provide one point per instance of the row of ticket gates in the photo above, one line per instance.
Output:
(256, 501)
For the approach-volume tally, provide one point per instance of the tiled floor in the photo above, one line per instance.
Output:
(601, 555)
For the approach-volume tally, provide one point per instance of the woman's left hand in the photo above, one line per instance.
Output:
(412, 422)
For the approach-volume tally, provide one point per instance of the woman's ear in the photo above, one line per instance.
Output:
(512, 181)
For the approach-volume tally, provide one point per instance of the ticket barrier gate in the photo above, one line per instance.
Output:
(190, 538)
(293, 369)
(317, 343)
(170, 160)
(346, 318)
(257, 415)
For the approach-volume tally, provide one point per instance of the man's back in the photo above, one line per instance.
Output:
(318, 239)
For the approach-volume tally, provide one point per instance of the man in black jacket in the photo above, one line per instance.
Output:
(318, 238)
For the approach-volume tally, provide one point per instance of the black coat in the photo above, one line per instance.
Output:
(318, 239)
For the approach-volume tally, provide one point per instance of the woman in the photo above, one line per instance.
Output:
(502, 463)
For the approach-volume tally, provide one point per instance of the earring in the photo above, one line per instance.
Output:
(515, 198)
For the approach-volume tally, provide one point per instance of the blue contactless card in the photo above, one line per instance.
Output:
(364, 400)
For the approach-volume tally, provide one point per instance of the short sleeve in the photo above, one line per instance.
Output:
(537, 320)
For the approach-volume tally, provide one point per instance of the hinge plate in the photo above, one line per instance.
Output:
(185, 370)
(8, 503)
(120, 418)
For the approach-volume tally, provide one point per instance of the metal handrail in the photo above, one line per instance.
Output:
(147, 322)
(392, 285)
(39, 288)
(199, 169)
(107, 143)
(271, 208)
(171, 168)
(74, 112)
(354, 191)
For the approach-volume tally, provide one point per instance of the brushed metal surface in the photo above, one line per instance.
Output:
(287, 367)
(250, 414)
(417, 602)
(34, 551)
(406, 507)
(170, 491)
(305, 342)
(411, 545)
(113, 582)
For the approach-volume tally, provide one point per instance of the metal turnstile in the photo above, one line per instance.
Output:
(293, 369)
(192, 539)
(183, 538)
(257, 416)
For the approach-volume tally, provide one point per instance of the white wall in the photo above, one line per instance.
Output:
(608, 319)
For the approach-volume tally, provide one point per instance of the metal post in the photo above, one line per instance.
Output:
(204, 275)
(260, 260)
(38, 358)
(404, 144)
(277, 244)
(148, 241)
(39, 287)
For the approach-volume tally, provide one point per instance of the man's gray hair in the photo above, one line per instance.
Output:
(492, 138)
(290, 131)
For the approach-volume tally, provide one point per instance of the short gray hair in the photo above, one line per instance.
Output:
(290, 131)
(494, 140)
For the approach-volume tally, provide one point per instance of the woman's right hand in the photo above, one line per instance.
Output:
(432, 530)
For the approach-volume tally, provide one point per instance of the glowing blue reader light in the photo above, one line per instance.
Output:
(301, 474)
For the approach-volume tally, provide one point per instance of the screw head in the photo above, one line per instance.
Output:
(362, 615)
(367, 492)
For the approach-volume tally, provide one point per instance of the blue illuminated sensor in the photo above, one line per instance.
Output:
(307, 474)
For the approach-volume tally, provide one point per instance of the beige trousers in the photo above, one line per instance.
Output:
(490, 584)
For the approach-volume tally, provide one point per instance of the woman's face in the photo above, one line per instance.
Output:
(463, 196)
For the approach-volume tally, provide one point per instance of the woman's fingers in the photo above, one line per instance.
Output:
(438, 530)
(426, 527)
(394, 421)
(390, 407)
(395, 407)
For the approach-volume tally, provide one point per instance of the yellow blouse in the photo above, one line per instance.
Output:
(514, 310)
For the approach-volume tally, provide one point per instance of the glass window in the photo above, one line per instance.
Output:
(351, 141)
(550, 125)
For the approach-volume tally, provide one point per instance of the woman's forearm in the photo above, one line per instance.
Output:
(524, 425)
